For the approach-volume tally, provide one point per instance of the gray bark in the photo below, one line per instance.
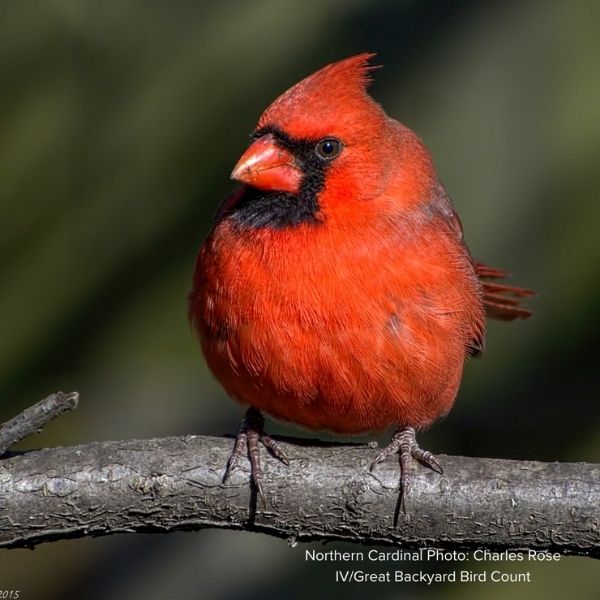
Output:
(32, 419)
(327, 492)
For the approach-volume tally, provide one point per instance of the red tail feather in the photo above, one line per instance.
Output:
(497, 297)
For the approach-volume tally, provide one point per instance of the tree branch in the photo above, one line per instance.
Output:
(32, 419)
(327, 492)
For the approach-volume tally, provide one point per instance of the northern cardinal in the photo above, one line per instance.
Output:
(335, 289)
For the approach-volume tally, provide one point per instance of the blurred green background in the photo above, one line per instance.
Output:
(119, 124)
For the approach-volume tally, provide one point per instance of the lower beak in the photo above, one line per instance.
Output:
(267, 166)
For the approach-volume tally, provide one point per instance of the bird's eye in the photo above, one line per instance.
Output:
(328, 148)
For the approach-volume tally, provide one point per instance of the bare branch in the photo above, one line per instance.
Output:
(327, 492)
(32, 419)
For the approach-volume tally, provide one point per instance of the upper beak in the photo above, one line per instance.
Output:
(267, 166)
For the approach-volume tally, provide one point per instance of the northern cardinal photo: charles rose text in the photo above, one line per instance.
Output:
(335, 290)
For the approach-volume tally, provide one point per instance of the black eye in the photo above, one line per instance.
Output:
(328, 148)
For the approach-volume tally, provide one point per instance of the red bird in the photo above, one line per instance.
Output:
(335, 289)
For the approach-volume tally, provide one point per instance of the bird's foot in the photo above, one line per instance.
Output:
(405, 444)
(250, 434)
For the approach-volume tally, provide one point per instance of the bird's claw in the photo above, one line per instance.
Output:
(405, 444)
(250, 434)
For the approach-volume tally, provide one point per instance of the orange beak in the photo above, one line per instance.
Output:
(267, 166)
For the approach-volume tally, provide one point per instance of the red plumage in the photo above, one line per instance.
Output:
(335, 290)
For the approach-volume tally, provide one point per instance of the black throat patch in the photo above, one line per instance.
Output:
(278, 210)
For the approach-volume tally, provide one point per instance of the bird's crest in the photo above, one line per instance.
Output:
(353, 71)
(333, 90)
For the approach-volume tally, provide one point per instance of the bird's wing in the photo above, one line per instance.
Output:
(501, 301)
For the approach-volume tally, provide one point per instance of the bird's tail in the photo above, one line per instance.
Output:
(504, 302)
